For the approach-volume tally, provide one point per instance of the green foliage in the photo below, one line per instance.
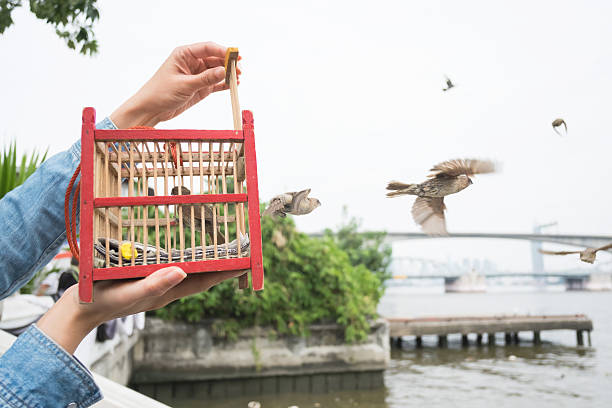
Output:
(13, 174)
(367, 249)
(308, 280)
(73, 20)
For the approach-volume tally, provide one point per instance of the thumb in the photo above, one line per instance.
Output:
(208, 78)
(158, 283)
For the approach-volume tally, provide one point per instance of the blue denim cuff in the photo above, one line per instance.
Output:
(105, 123)
(36, 372)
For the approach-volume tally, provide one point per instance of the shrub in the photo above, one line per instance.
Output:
(308, 280)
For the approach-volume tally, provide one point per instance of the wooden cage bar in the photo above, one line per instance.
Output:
(152, 198)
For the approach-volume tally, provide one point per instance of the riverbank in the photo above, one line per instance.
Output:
(191, 360)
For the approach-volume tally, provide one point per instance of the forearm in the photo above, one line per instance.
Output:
(37, 372)
(32, 219)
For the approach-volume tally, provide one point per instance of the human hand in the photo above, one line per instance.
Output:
(69, 321)
(190, 74)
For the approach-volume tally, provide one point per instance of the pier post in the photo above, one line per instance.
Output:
(536, 337)
(508, 338)
(589, 337)
(398, 341)
(479, 339)
(515, 338)
(419, 342)
(442, 340)
(579, 338)
(464, 340)
(491, 339)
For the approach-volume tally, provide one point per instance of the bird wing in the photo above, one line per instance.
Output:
(298, 197)
(275, 206)
(542, 251)
(428, 212)
(452, 168)
(603, 248)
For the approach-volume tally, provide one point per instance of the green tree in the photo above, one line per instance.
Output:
(308, 280)
(73, 20)
(366, 248)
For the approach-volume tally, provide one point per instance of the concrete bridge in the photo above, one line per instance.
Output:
(593, 241)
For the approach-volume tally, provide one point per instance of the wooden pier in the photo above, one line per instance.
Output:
(489, 325)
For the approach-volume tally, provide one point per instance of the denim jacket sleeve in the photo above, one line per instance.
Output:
(37, 373)
(32, 218)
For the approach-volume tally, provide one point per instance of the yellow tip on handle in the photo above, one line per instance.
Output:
(230, 55)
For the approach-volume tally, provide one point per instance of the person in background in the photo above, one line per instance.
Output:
(39, 370)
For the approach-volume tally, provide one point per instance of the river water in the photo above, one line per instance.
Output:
(556, 374)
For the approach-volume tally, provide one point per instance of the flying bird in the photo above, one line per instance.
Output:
(557, 123)
(197, 215)
(449, 84)
(586, 255)
(296, 203)
(448, 177)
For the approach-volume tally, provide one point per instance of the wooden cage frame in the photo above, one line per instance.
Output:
(101, 201)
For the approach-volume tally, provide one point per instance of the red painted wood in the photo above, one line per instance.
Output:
(257, 273)
(171, 200)
(86, 202)
(139, 271)
(169, 134)
(89, 135)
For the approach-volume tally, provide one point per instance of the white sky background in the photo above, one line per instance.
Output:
(347, 96)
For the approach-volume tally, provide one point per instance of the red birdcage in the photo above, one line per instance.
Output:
(152, 198)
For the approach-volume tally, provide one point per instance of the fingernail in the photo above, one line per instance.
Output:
(219, 72)
(174, 276)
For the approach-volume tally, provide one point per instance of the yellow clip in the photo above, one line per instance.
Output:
(126, 250)
(230, 55)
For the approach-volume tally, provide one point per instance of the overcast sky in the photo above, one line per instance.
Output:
(347, 96)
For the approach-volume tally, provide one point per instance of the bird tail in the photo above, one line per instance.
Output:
(401, 189)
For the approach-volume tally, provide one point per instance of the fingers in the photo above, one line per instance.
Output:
(200, 282)
(206, 49)
(207, 79)
(220, 62)
(221, 86)
(154, 285)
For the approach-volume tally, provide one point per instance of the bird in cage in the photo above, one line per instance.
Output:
(448, 177)
(197, 215)
(240, 169)
(557, 123)
(587, 255)
(296, 203)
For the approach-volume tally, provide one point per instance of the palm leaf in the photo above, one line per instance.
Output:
(12, 175)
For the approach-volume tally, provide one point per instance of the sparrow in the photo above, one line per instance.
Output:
(197, 215)
(558, 122)
(448, 177)
(449, 84)
(586, 255)
(240, 169)
(296, 203)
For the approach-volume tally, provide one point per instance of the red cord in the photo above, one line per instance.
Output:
(70, 217)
